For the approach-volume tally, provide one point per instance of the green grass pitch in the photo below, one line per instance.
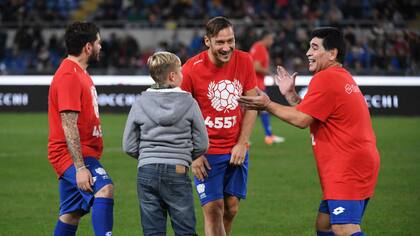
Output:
(283, 187)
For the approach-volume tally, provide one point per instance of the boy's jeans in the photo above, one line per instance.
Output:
(162, 190)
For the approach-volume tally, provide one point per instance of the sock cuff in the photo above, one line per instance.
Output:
(358, 234)
(103, 200)
(67, 226)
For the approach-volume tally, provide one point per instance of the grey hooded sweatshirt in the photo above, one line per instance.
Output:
(165, 126)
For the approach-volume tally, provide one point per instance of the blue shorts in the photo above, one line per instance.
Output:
(72, 198)
(344, 211)
(223, 179)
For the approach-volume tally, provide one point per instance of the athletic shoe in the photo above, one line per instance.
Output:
(273, 139)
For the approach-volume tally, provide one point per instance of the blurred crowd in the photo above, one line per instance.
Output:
(378, 39)
(157, 12)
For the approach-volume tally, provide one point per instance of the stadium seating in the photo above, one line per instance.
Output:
(381, 36)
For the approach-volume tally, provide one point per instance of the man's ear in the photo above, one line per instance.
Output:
(88, 48)
(207, 41)
(333, 54)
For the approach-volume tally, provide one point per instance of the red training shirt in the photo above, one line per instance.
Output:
(72, 89)
(343, 140)
(216, 90)
(260, 53)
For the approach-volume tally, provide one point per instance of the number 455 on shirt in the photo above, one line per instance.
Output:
(97, 132)
(220, 122)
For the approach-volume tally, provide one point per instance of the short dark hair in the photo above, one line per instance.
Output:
(78, 34)
(332, 38)
(216, 24)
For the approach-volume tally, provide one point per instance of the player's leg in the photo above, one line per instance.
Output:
(67, 224)
(102, 210)
(152, 207)
(323, 226)
(210, 191)
(270, 138)
(72, 205)
(265, 120)
(102, 198)
(235, 183)
(213, 218)
(346, 216)
(176, 191)
(346, 229)
(231, 209)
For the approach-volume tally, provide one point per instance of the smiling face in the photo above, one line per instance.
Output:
(319, 58)
(221, 46)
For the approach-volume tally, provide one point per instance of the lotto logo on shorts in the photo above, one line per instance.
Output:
(338, 210)
(109, 233)
(201, 188)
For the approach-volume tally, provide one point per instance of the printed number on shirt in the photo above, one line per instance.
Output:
(97, 132)
(220, 122)
(313, 140)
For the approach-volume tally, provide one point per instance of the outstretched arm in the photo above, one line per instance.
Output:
(286, 113)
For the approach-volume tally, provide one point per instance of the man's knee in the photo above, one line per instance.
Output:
(106, 191)
(345, 229)
(72, 218)
(323, 222)
(231, 207)
(214, 209)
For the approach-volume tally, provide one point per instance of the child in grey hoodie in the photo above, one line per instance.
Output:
(165, 131)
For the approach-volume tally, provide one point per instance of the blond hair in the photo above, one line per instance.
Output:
(160, 64)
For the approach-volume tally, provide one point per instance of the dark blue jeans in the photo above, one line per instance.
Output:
(162, 191)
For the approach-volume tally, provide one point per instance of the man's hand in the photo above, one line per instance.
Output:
(285, 81)
(259, 102)
(286, 84)
(199, 167)
(238, 154)
(84, 179)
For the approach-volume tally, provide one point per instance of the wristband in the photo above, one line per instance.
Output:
(80, 168)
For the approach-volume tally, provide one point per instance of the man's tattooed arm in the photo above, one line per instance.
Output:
(69, 123)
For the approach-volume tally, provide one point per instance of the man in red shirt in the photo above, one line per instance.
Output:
(343, 140)
(261, 57)
(75, 136)
(216, 78)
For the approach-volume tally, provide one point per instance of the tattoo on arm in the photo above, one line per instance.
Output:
(71, 132)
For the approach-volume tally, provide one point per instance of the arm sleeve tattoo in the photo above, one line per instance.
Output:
(71, 132)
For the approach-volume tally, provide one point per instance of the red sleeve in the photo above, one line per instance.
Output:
(250, 75)
(69, 92)
(319, 100)
(257, 53)
(186, 81)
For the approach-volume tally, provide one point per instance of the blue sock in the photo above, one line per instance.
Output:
(319, 233)
(63, 229)
(265, 119)
(358, 234)
(102, 216)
